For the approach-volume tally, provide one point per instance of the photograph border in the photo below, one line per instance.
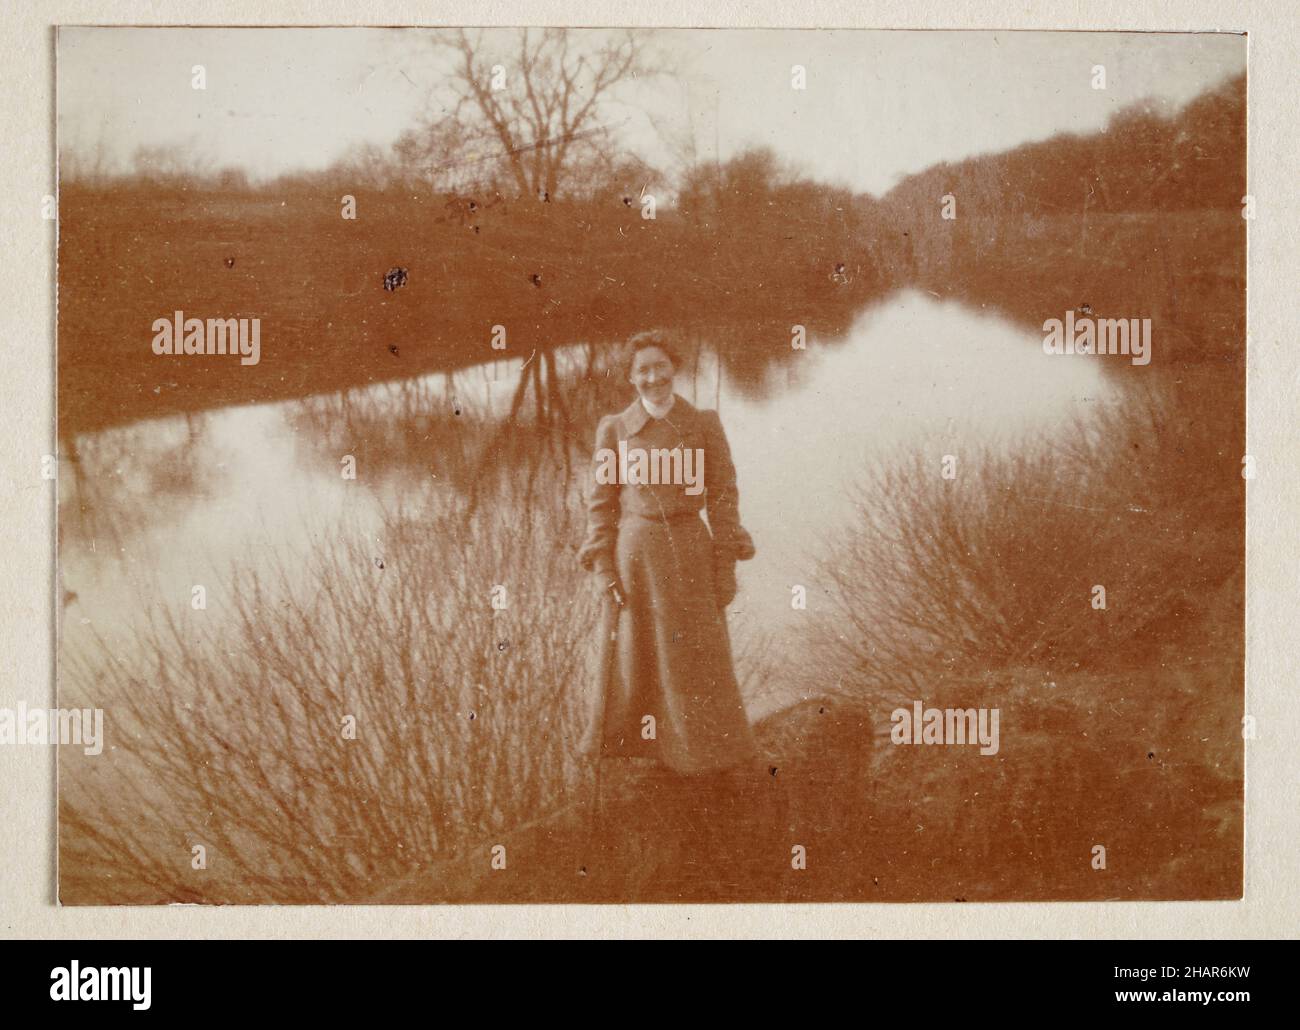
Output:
(28, 501)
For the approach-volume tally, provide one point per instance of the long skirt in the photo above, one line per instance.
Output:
(666, 687)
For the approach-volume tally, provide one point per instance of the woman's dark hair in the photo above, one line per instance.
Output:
(661, 339)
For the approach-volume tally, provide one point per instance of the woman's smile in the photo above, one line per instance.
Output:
(658, 392)
(652, 375)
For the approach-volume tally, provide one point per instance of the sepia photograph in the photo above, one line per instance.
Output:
(611, 466)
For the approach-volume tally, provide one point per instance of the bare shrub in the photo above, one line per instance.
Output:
(230, 730)
(996, 567)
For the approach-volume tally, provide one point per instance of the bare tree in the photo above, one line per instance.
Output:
(533, 114)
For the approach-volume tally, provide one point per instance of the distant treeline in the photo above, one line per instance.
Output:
(1141, 219)
(1141, 162)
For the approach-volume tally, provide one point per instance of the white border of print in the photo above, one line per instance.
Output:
(27, 838)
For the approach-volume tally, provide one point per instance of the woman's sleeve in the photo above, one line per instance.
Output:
(721, 499)
(597, 551)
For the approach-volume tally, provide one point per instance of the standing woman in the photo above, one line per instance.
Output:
(667, 689)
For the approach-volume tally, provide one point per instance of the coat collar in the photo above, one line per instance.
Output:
(634, 417)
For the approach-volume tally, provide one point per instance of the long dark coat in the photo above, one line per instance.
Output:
(666, 687)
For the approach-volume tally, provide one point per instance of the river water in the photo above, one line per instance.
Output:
(154, 508)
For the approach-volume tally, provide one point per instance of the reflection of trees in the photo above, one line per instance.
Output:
(411, 426)
(442, 428)
(116, 480)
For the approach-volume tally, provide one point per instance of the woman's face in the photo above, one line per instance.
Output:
(652, 375)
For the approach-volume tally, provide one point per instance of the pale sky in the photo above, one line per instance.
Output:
(878, 105)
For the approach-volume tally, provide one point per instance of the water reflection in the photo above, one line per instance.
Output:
(157, 507)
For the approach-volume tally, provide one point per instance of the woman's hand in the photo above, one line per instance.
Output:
(614, 589)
